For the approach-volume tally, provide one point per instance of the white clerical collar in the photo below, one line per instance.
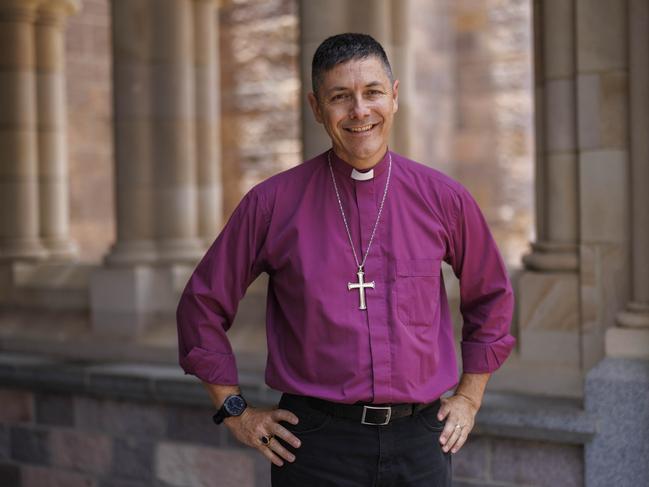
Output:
(362, 176)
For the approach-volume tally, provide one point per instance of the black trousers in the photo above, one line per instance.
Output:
(340, 452)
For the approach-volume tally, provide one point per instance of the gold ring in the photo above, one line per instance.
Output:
(266, 439)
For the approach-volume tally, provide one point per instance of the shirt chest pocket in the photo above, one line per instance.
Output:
(417, 290)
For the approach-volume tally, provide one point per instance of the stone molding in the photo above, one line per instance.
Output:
(552, 257)
(635, 316)
(120, 380)
(502, 415)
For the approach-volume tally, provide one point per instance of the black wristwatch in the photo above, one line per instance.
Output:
(234, 405)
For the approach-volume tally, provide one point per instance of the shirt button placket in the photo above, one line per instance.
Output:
(366, 192)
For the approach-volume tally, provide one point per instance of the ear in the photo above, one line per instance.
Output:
(395, 96)
(313, 101)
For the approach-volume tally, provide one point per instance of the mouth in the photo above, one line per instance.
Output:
(361, 129)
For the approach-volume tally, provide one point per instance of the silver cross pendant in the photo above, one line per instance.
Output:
(360, 285)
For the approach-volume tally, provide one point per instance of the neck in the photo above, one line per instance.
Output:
(362, 164)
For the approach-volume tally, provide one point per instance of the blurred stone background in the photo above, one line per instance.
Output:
(539, 107)
(472, 117)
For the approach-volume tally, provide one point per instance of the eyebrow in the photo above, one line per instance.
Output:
(371, 84)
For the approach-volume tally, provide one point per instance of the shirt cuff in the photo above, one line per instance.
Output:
(211, 367)
(479, 358)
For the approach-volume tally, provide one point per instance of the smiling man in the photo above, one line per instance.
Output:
(360, 338)
(356, 102)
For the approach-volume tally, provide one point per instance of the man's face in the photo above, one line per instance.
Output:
(356, 103)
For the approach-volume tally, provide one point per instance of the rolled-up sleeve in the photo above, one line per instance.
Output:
(211, 297)
(486, 295)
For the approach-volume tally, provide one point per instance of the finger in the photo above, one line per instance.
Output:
(286, 435)
(447, 432)
(443, 411)
(460, 441)
(268, 453)
(451, 440)
(277, 447)
(284, 415)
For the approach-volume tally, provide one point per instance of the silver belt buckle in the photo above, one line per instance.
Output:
(365, 408)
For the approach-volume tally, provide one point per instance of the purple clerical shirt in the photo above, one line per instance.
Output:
(401, 348)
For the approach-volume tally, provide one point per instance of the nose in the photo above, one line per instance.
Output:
(359, 108)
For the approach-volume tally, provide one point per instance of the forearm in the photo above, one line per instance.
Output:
(219, 392)
(472, 386)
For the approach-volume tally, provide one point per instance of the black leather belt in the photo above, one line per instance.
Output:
(374, 414)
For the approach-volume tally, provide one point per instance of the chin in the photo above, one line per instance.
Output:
(365, 153)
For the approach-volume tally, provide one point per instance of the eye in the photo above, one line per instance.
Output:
(374, 92)
(339, 97)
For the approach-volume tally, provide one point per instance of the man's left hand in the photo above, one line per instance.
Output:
(461, 413)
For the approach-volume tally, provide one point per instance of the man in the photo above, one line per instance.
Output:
(360, 339)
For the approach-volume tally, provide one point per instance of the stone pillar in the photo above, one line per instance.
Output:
(617, 388)
(166, 146)
(604, 161)
(631, 337)
(173, 131)
(387, 22)
(555, 249)
(132, 36)
(19, 207)
(403, 64)
(548, 289)
(52, 122)
(155, 144)
(208, 157)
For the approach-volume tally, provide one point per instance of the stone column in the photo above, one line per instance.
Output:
(208, 156)
(155, 142)
(165, 55)
(402, 60)
(19, 208)
(173, 130)
(620, 381)
(132, 37)
(631, 337)
(557, 227)
(604, 162)
(548, 289)
(52, 122)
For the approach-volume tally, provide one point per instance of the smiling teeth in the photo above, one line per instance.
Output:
(365, 128)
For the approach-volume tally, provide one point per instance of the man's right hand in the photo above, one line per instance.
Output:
(255, 423)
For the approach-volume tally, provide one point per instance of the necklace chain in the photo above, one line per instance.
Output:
(342, 212)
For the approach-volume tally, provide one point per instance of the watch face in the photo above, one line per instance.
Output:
(235, 405)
